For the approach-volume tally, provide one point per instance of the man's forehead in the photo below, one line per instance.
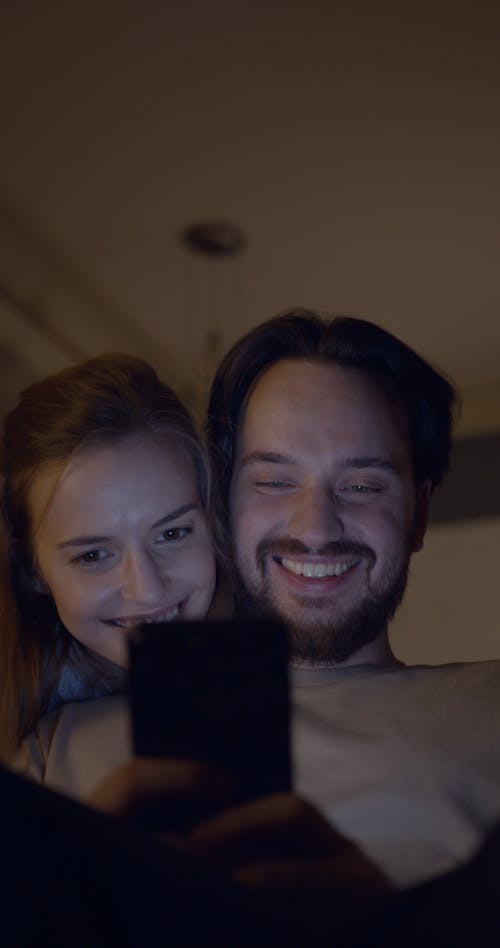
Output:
(316, 395)
(304, 382)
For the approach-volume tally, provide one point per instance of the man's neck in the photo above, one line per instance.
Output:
(377, 653)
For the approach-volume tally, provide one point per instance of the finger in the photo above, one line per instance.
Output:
(142, 781)
(277, 826)
(347, 877)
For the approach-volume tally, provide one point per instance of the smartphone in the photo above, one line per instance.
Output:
(216, 691)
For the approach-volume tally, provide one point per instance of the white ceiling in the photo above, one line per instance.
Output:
(357, 145)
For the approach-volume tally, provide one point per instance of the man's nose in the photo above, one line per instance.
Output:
(142, 581)
(316, 517)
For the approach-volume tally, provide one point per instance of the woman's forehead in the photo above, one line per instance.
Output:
(132, 470)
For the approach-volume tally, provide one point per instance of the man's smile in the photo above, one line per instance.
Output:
(314, 570)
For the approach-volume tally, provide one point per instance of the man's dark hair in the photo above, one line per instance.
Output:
(427, 397)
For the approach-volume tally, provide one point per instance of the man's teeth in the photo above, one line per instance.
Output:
(317, 570)
(144, 620)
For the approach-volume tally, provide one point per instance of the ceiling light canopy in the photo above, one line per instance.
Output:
(215, 238)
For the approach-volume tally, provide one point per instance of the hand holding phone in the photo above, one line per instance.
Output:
(215, 691)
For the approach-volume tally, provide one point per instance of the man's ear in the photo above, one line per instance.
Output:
(422, 506)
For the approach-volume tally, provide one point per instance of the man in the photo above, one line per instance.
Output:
(325, 436)
(327, 439)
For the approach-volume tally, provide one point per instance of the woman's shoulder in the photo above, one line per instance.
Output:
(72, 747)
(31, 756)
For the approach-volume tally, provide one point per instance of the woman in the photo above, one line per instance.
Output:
(103, 526)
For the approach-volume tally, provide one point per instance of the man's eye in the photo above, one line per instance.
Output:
(361, 488)
(274, 483)
(272, 486)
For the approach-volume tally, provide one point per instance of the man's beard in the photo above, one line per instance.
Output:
(325, 638)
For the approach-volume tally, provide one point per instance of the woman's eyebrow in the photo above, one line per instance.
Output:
(179, 512)
(87, 540)
(82, 541)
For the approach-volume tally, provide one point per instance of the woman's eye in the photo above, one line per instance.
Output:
(90, 557)
(173, 534)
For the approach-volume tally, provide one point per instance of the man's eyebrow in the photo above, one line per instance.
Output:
(87, 540)
(364, 462)
(359, 463)
(267, 457)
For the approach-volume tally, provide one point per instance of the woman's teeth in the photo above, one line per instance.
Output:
(145, 620)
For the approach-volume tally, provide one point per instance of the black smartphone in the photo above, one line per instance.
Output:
(216, 691)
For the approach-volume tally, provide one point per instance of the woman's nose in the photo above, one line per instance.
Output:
(143, 582)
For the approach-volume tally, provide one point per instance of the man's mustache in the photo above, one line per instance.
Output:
(288, 546)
